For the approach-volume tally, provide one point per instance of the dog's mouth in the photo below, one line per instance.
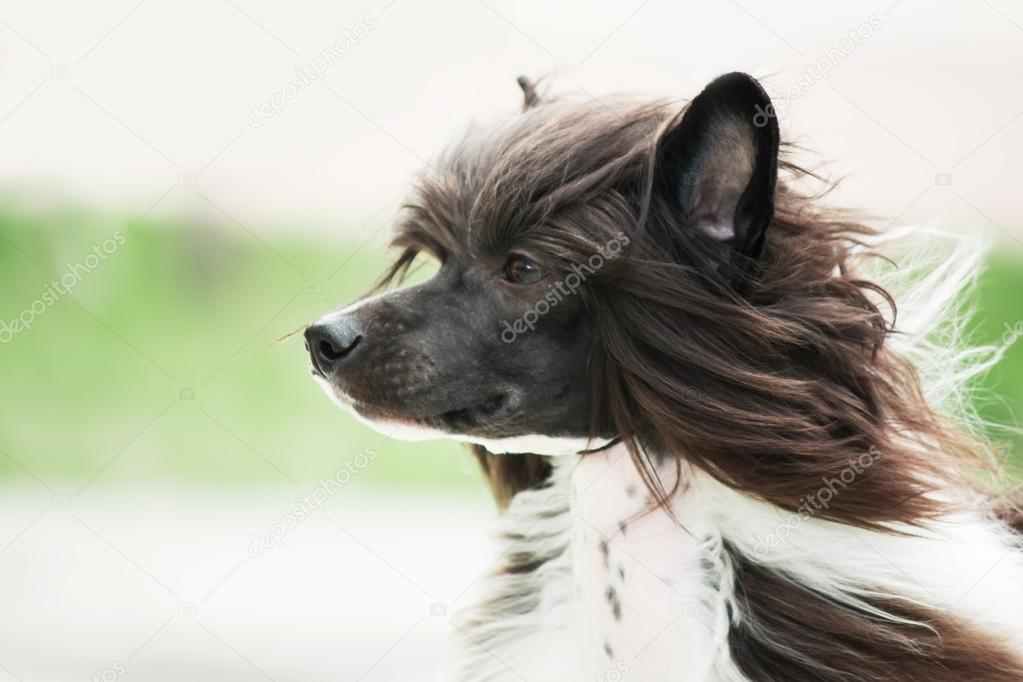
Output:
(487, 413)
(474, 415)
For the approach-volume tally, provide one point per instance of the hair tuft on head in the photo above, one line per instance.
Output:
(530, 98)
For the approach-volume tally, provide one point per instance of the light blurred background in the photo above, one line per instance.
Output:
(152, 430)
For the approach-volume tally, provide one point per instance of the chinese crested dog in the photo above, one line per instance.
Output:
(717, 455)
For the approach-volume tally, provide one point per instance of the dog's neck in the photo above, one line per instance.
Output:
(607, 587)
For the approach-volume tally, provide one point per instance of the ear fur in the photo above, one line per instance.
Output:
(718, 165)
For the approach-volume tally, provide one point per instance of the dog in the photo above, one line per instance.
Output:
(716, 455)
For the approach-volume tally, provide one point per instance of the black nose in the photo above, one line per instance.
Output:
(329, 342)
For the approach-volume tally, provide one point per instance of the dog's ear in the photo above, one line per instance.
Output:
(718, 166)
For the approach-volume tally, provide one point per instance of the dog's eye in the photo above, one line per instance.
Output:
(522, 270)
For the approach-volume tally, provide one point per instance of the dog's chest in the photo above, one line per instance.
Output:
(639, 577)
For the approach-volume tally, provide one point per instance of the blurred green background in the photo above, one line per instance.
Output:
(164, 363)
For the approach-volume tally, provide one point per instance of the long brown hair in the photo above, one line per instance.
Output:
(770, 389)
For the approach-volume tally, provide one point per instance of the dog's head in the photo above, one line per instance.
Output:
(539, 227)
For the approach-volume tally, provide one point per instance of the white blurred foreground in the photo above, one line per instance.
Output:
(160, 587)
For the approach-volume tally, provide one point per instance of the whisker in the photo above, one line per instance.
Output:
(286, 336)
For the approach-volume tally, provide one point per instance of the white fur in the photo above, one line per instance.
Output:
(534, 630)
(677, 594)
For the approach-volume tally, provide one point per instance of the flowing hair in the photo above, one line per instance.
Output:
(771, 387)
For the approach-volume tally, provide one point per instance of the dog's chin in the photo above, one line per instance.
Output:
(484, 416)
(483, 423)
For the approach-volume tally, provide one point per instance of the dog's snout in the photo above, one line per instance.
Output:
(331, 341)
